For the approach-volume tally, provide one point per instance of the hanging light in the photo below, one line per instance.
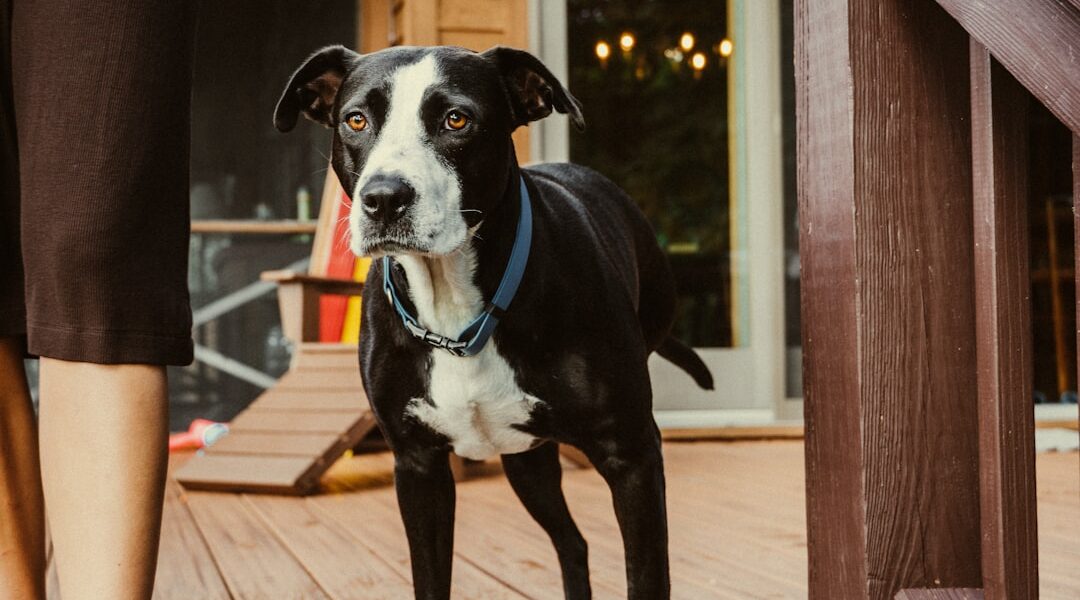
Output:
(697, 61)
(627, 41)
(686, 42)
(603, 50)
(725, 48)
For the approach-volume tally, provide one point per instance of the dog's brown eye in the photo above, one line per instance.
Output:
(357, 122)
(456, 121)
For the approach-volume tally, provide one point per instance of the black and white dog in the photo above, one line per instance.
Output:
(422, 145)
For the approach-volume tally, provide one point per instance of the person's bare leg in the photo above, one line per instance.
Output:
(104, 457)
(22, 521)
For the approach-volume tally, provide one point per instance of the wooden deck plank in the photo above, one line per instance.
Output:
(314, 400)
(273, 443)
(502, 538)
(521, 545)
(321, 379)
(736, 513)
(320, 355)
(1058, 494)
(269, 473)
(185, 568)
(485, 538)
(294, 422)
(704, 564)
(342, 567)
(375, 525)
(253, 563)
(706, 560)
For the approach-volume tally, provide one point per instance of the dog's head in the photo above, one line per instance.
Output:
(422, 135)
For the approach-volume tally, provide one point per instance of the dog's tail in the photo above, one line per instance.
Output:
(686, 359)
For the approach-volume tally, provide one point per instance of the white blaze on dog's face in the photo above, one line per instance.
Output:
(422, 136)
(433, 222)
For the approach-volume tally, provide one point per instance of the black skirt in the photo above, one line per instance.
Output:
(94, 221)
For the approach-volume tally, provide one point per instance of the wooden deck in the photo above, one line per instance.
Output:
(737, 531)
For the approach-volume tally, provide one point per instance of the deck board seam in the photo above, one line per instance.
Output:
(181, 496)
(503, 582)
(385, 501)
(315, 507)
(264, 519)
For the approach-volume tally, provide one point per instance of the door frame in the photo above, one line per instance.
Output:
(758, 396)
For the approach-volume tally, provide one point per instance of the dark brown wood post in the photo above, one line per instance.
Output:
(835, 502)
(885, 199)
(999, 126)
(1076, 230)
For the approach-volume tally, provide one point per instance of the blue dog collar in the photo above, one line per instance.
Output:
(476, 334)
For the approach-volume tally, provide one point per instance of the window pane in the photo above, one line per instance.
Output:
(243, 168)
(653, 79)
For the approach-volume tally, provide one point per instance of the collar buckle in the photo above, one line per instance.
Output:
(480, 330)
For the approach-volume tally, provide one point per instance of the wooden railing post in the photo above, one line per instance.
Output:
(999, 126)
(884, 179)
(1076, 233)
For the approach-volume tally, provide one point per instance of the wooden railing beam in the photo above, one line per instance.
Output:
(999, 126)
(1036, 41)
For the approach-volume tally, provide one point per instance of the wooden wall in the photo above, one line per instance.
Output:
(474, 24)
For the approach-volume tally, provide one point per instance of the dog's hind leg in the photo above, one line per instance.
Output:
(634, 470)
(536, 477)
(426, 498)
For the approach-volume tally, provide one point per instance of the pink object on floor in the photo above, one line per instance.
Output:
(201, 433)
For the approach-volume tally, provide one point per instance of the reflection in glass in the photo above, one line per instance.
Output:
(653, 78)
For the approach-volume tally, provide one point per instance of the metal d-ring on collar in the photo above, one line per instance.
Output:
(472, 339)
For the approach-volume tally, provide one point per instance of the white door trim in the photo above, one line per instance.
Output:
(756, 36)
(749, 377)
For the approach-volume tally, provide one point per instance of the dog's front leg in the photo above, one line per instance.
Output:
(425, 491)
(634, 470)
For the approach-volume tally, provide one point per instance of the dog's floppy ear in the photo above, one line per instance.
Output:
(313, 88)
(534, 91)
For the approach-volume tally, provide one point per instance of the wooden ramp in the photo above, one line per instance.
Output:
(289, 436)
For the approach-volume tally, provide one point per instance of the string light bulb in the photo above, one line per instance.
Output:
(627, 41)
(725, 48)
(697, 61)
(686, 42)
(603, 50)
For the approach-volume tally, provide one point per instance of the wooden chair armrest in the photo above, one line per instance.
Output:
(298, 300)
(322, 285)
(279, 275)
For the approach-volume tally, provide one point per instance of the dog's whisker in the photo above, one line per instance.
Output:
(344, 240)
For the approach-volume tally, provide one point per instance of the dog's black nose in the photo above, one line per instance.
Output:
(386, 198)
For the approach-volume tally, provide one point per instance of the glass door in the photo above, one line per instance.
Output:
(682, 105)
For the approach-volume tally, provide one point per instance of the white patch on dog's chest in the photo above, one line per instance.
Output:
(474, 401)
